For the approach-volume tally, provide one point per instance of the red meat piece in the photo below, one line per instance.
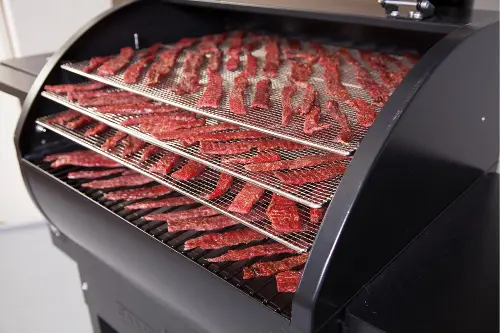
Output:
(98, 129)
(288, 281)
(165, 164)
(117, 63)
(236, 98)
(220, 240)
(262, 95)
(138, 193)
(202, 211)
(270, 156)
(132, 73)
(213, 92)
(94, 174)
(246, 198)
(202, 224)
(311, 124)
(167, 202)
(66, 88)
(113, 141)
(284, 214)
(299, 177)
(365, 113)
(269, 268)
(94, 63)
(190, 170)
(223, 185)
(345, 132)
(125, 180)
(252, 252)
(286, 101)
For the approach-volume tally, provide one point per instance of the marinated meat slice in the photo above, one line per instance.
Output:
(162, 203)
(214, 61)
(94, 63)
(66, 88)
(167, 126)
(166, 163)
(288, 281)
(202, 224)
(207, 47)
(262, 95)
(299, 177)
(155, 117)
(318, 49)
(374, 60)
(64, 117)
(202, 211)
(189, 82)
(237, 95)
(270, 156)
(126, 180)
(139, 193)
(78, 95)
(264, 145)
(251, 65)
(224, 136)
(220, 240)
(216, 39)
(162, 66)
(53, 157)
(365, 113)
(311, 125)
(97, 129)
(137, 109)
(403, 68)
(229, 148)
(316, 215)
(269, 268)
(186, 42)
(235, 45)
(331, 77)
(117, 63)
(132, 73)
(391, 79)
(284, 214)
(272, 57)
(132, 145)
(94, 174)
(252, 252)
(189, 171)
(79, 122)
(286, 101)
(213, 92)
(112, 100)
(223, 185)
(345, 132)
(149, 151)
(300, 71)
(301, 162)
(246, 198)
(181, 134)
(85, 161)
(308, 99)
(113, 141)
(150, 51)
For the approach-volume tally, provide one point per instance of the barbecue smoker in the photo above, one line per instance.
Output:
(431, 151)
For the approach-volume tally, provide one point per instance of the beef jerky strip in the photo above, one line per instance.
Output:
(216, 39)
(345, 132)
(283, 214)
(319, 49)
(224, 136)
(213, 92)
(117, 63)
(150, 51)
(162, 66)
(132, 73)
(286, 101)
(94, 63)
(85, 161)
(165, 164)
(272, 57)
(220, 240)
(246, 198)
(78, 95)
(251, 65)
(186, 42)
(269, 268)
(288, 281)
(79, 122)
(235, 45)
(202, 211)
(264, 145)
(331, 77)
(229, 148)
(112, 100)
(253, 44)
(162, 203)
(376, 61)
(139, 193)
(148, 118)
(214, 61)
(223, 185)
(307, 100)
(137, 109)
(300, 71)
(252, 252)
(299, 177)
(149, 151)
(262, 95)
(113, 141)
(301, 162)
(311, 125)
(94, 174)
(365, 113)
(207, 47)
(181, 134)
(66, 88)
(167, 126)
(127, 180)
(189, 82)
(97, 129)
(64, 117)
(202, 224)
(316, 215)
(189, 171)
(237, 95)
(270, 156)
(53, 157)
(132, 145)
(391, 79)
(403, 68)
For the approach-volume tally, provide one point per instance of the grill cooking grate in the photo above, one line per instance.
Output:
(312, 195)
(262, 289)
(197, 188)
(268, 121)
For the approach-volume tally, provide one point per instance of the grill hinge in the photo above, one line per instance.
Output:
(418, 10)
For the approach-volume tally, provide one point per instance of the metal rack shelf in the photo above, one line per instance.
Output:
(312, 195)
(197, 188)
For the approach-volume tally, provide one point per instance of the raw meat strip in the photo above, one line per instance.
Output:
(132, 73)
(223, 184)
(167, 202)
(311, 125)
(300, 71)
(316, 215)
(207, 47)
(150, 51)
(307, 100)
(269, 268)
(391, 79)
(331, 76)
(235, 45)
(412, 58)
(137, 109)
(317, 175)
(126, 180)
(301, 162)
(148, 118)
(202, 224)
(202, 211)
(189, 82)
(252, 45)
(283, 214)
(79, 122)
(259, 158)
(288, 281)
(139, 193)
(251, 65)
(117, 63)
(236, 98)
(190, 170)
(163, 66)
(113, 141)
(53, 157)
(167, 126)
(213, 92)
(214, 62)
(365, 113)
(94, 63)
(166, 163)
(85, 161)
(272, 57)
(319, 49)
(64, 117)
(224, 136)
(98, 129)
(229, 148)
(246, 198)
(77, 95)
(220, 240)
(286, 101)
(185, 133)
(149, 151)
(66, 88)
(130, 172)
(252, 252)
(186, 42)
(403, 68)
(112, 100)
(345, 132)
(374, 60)
(264, 145)
(261, 98)
(216, 39)
(94, 174)
(132, 145)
